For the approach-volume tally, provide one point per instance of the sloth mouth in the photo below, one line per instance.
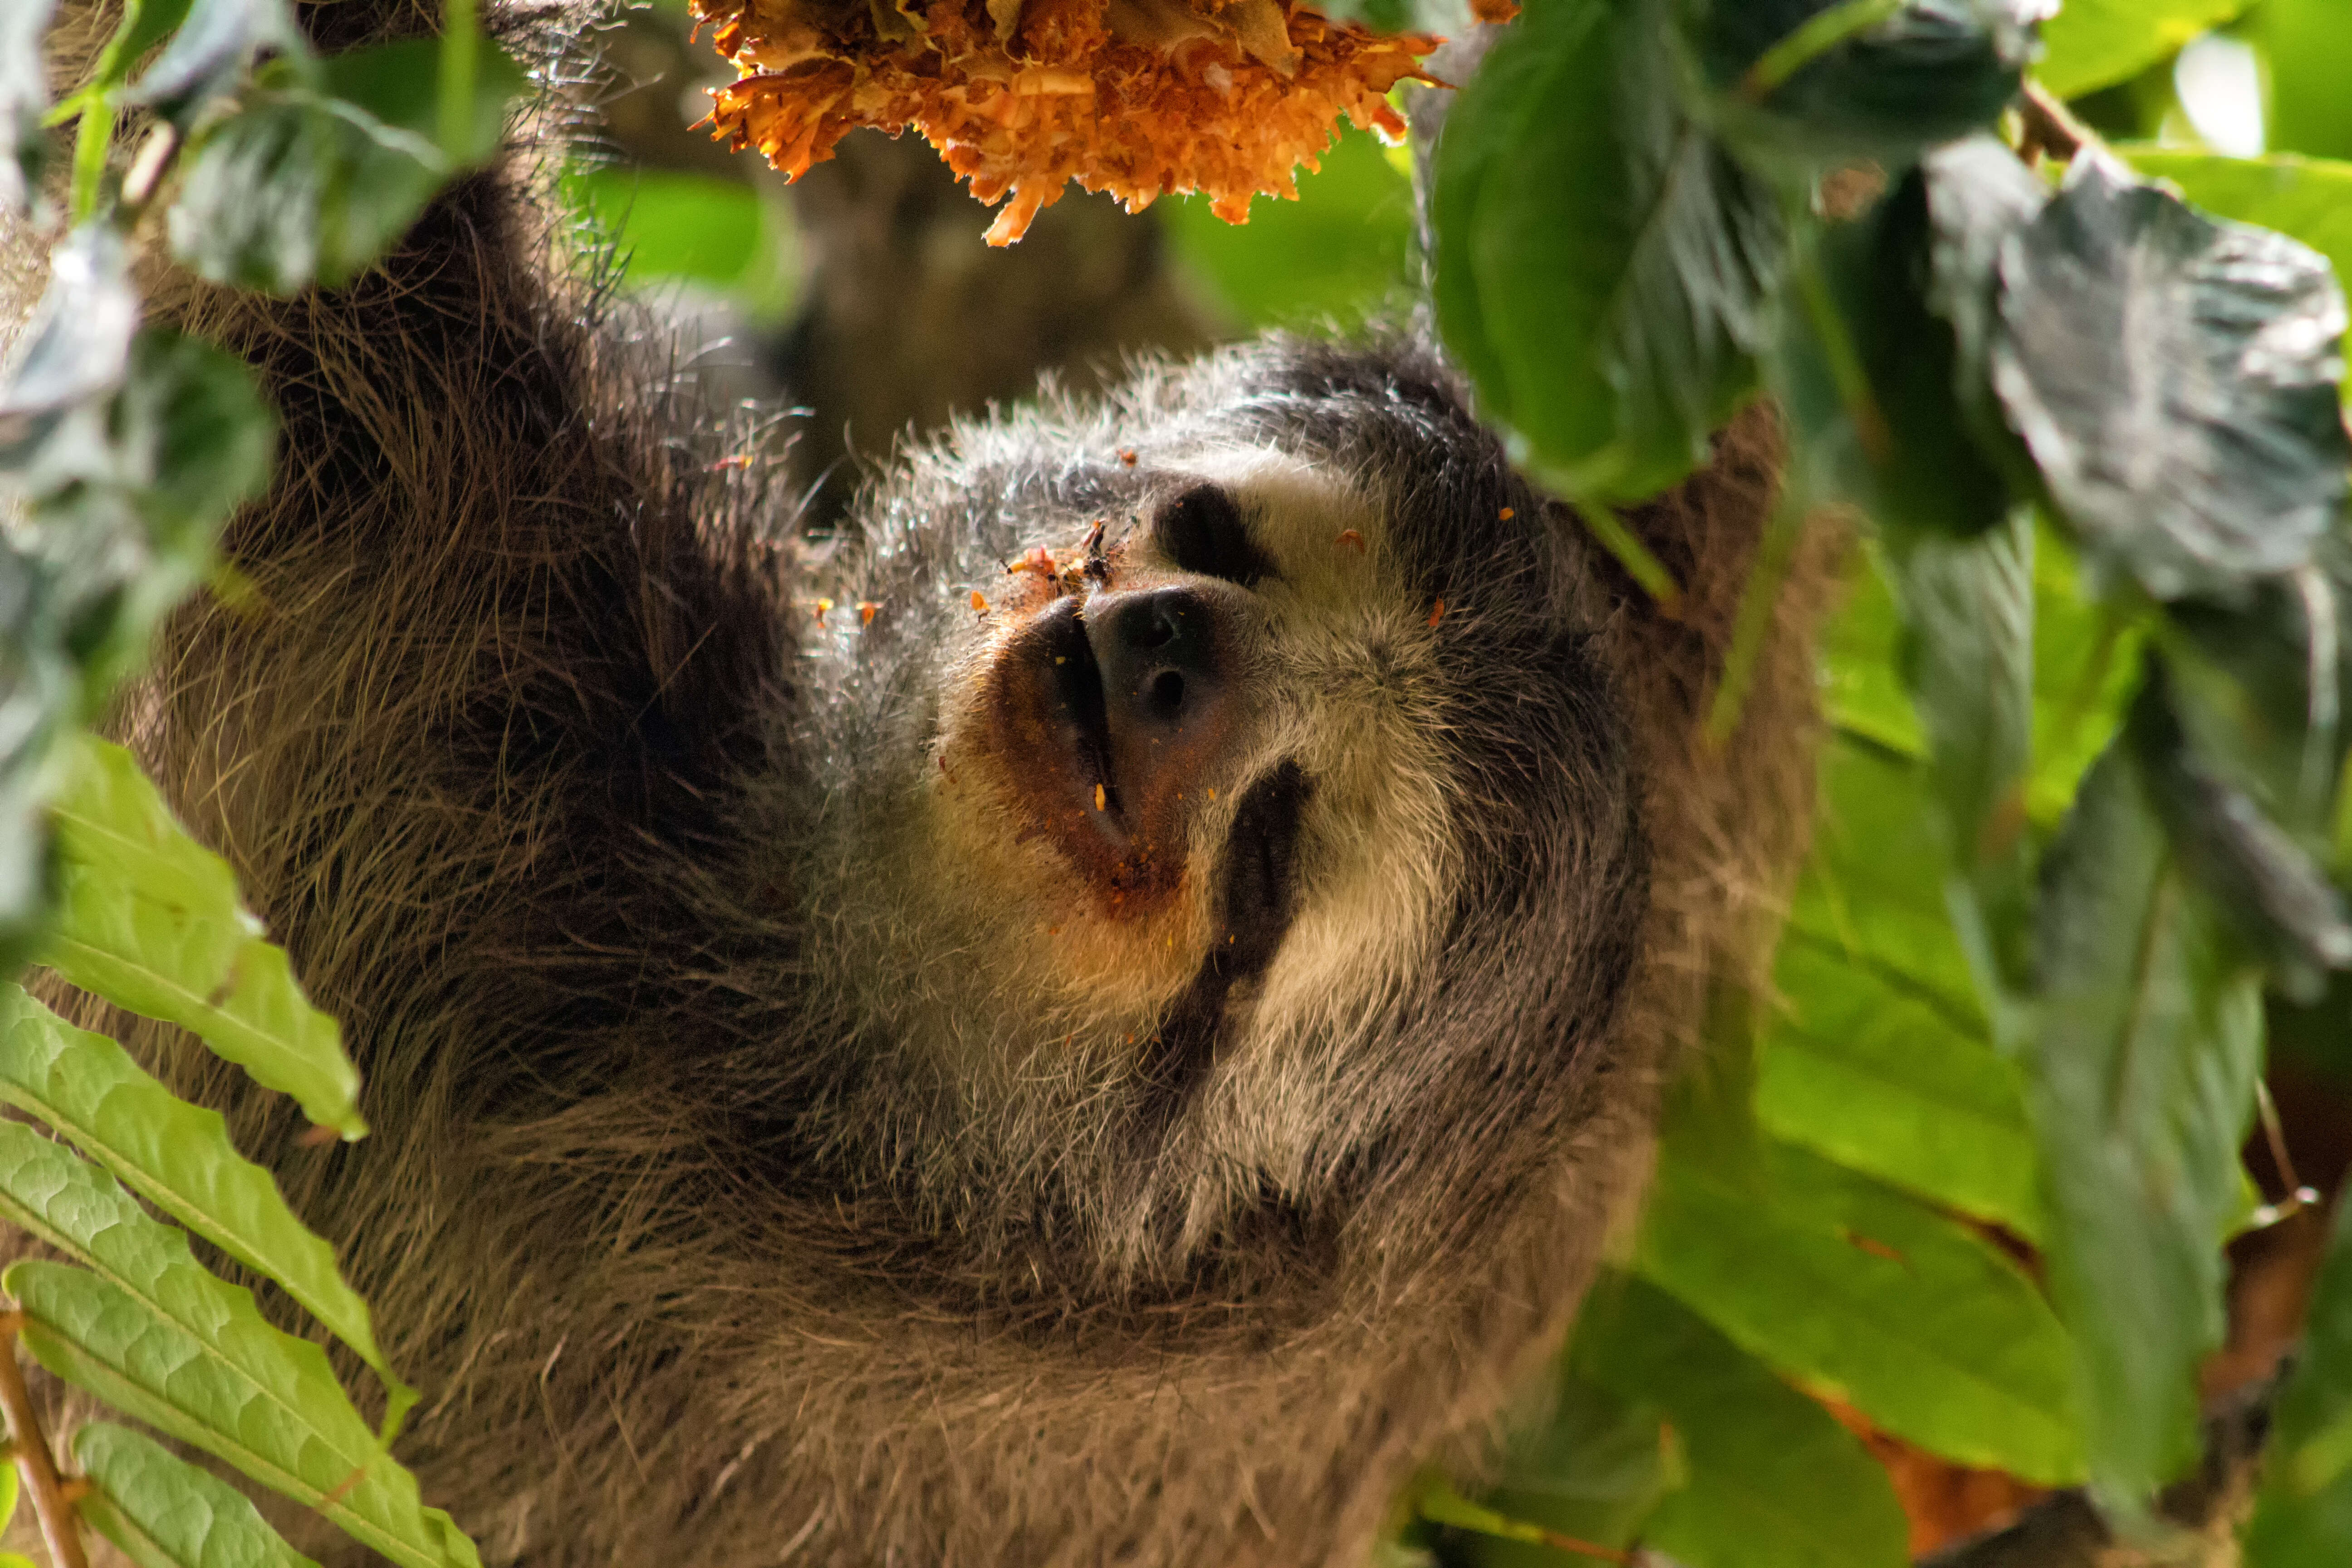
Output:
(1105, 712)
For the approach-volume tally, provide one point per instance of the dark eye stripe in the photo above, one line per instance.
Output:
(1201, 532)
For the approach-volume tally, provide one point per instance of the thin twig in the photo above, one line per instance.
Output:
(2298, 1196)
(60, 1527)
(2051, 127)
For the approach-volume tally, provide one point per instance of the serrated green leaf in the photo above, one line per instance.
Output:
(163, 1512)
(2140, 1085)
(2092, 44)
(1882, 1080)
(1773, 1481)
(2176, 380)
(150, 919)
(2302, 1515)
(261, 1400)
(1852, 1288)
(1602, 266)
(178, 1157)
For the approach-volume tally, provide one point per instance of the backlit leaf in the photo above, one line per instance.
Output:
(2092, 44)
(161, 1511)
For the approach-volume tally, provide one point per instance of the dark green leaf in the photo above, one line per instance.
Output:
(2176, 380)
(304, 185)
(2304, 1514)
(1869, 377)
(1602, 266)
(1831, 81)
(161, 1511)
(24, 98)
(2095, 42)
(2141, 1085)
(2281, 906)
(1774, 1482)
(1593, 1471)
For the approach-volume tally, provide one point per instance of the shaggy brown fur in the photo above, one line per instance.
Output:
(737, 1193)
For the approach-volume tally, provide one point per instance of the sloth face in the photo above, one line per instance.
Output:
(1221, 762)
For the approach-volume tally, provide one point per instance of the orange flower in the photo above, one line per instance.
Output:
(1139, 98)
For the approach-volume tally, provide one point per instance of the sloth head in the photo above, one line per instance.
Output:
(1229, 788)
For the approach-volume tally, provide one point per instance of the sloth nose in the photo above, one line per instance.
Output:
(1167, 690)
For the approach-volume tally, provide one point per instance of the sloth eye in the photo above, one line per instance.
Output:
(1201, 532)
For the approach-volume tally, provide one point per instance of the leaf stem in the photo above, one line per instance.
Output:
(60, 1527)
(92, 138)
(461, 41)
(1820, 33)
(1609, 530)
(2050, 126)
(1440, 1504)
(1773, 554)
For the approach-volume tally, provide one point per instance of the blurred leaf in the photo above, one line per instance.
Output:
(304, 184)
(178, 1157)
(2280, 904)
(1337, 252)
(208, 56)
(1925, 1328)
(24, 98)
(1446, 18)
(2309, 199)
(1832, 81)
(2302, 1515)
(2092, 43)
(1869, 377)
(2141, 1086)
(151, 920)
(78, 344)
(262, 1401)
(1979, 196)
(1602, 265)
(2176, 380)
(1594, 1470)
(2307, 57)
(161, 1511)
(1774, 1482)
(663, 224)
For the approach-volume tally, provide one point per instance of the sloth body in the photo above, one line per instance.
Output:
(1116, 1057)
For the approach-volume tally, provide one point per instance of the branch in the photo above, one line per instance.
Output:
(60, 1527)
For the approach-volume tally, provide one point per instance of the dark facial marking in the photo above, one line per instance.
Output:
(1201, 532)
(1260, 859)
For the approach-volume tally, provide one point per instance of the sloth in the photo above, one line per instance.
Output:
(1104, 1011)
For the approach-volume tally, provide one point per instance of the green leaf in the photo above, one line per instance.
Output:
(1602, 266)
(2308, 57)
(2141, 1086)
(24, 98)
(261, 1400)
(163, 1512)
(307, 185)
(1832, 81)
(150, 919)
(1339, 251)
(1594, 1470)
(1881, 1078)
(2302, 1515)
(1774, 1482)
(176, 1155)
(1446, 18)
(2092, 44)
(2176, 380)
(1924, 1328)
